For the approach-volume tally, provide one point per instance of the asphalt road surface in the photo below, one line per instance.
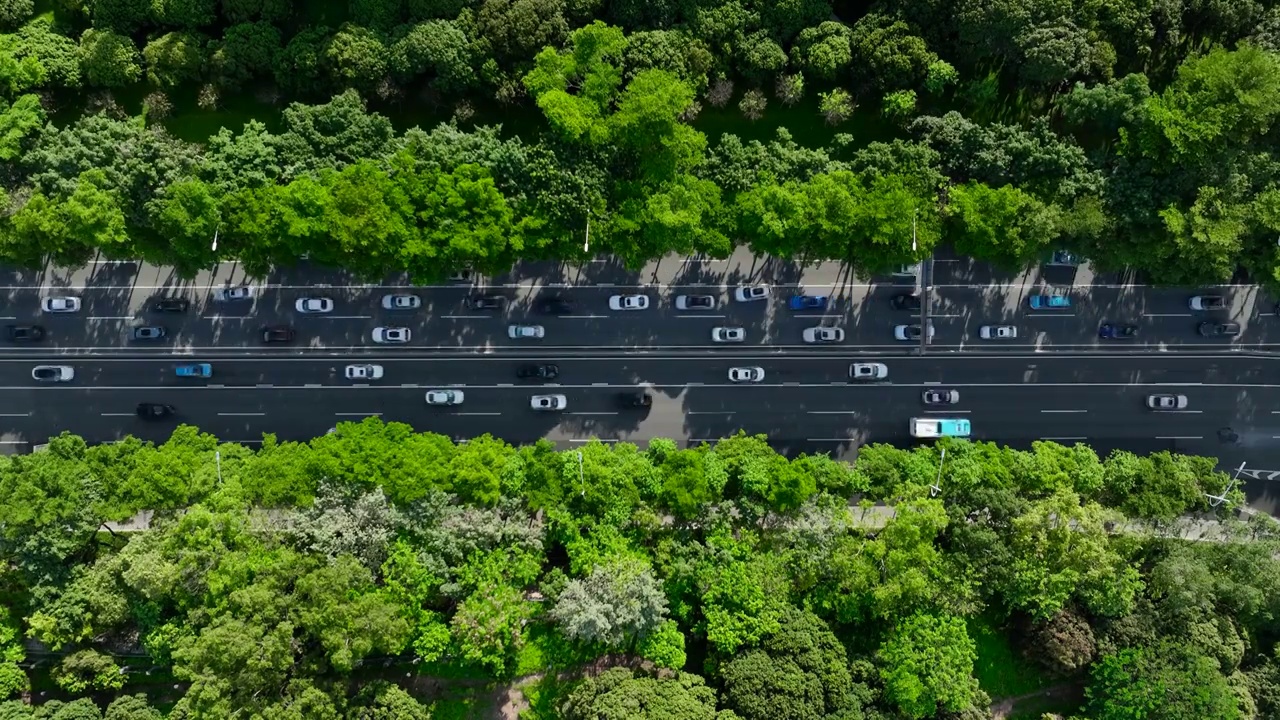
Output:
(1056, 380)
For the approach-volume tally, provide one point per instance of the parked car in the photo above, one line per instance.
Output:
(232, 294)
(391, 335)
(548, 402)
(445, 397)
(868, 371)
(53, 373)
(695, 302)
(278, 334)
(823, 335)
(998, 332)
(486, 302)
(61, 304)
(938, 396)
(906, 301)
(1049, 302)
(170, 305)
(148, 332)
(808, 302)
(366, 371)
(401, 302)
(911, 332)
(728, 334)
(1219, 329)
(629, 302)
(25, 333)
(314, 305)
(1111, 331)
(751, 293)
(545, 371)
(1207, 302)
(525, 332)
(154, 411)
(196, 370)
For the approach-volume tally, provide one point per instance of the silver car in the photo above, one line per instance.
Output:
(629, 302)
(548, 402)
(53, 373)
(61, 304)
(314, 305)
(231, 294)
(998, 332)
(444, 397)
(746, 374)
(391, 335)
(868, 371)
(401, 302)
(364, 372)
(823, 335)
(1166, 402)
(517, 332)
(728, 334)
(751, 293)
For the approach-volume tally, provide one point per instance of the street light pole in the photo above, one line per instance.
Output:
(936, 487)
(217, 456)
(1216, 500)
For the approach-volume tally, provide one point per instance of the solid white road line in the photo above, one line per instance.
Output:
(466, 317)
(949, 412)
(241, 414)
(835, 440)
(117, 414)
(341, 317)
(1179, 437)
(109, 317)
(1064, 411)
(833, 412)
(593, 413)
(1167, 315)
(358, 414)
(1065, 438)
(25, 414)
(480, 414)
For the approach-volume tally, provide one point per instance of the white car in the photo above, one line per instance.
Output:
(728, 334)
(629, 302)
(746, 374)
(61, 304)
(749, 293)
(364, 372)
(391, 335)
(516, 332)
(910, 332)
(695, 302)
(314, 305)
(231, 294)
(53, 373)
(401, 302)
(444, 397)
(823, 335)
(997, 332)
(548, 402)
(868, 371)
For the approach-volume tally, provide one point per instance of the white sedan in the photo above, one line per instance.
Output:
(231, 294)
(444, 397)
(746, 374)
(997, 332)
(516, 332)
(868, 371)
(364, 372)
(548, 402)
(728, 334)
(53, 373)
(391, 335)
(629, 302)
(823, 335)
(314, 305)
(911, 332)
(751, 293)
(61, 304)
(401, 302)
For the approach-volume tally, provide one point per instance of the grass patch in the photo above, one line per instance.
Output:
(1066, 705)
(460, 708)
(1000, 670)
(545, 697)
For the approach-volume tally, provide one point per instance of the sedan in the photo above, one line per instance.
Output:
(823, 335)
(746, 374)
(1049, 302)
(314, 305)
(391, 335)
(444, 397)
(751, 293)
(808, 302)
(1110, 331)
(542, 372)
(911, 332)
(938, 396)
(401, 302)
(629, 302)
(1166, 402)
(53, 373)
(278, 334)
(548, 402)
(868, 371)
(518, 332)
(486, 302)
(906, 301)
(695, 302)
(200, 370)
(728, 334)
(154, 411)
(170, 305)
(233, 294)
(1207, 302)
(148, 332)
(998, 332)
(1215, 329)
(25, 333)
(61, 304)
(364, 372)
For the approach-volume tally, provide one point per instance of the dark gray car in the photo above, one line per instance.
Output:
(149, 332)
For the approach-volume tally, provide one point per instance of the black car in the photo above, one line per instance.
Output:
(544, 372)
(906, 301)
(487, 302)
(1214, 329)
(154, 411)
(278, 334)
(25, 333)
(149, 332)
(635, 399)
(554, 305)
(170, 305)
(1111, 331)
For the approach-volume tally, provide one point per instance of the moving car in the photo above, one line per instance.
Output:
(1049, 302)
(1111, 331)
(911, 332)
(391, 335)
(278, 334)
(695, 302)
(1207, 302)
(200, 370)
(548, 402)
(231, 294)
(746, 374)
(997, 332)
(635, 399)
(1216, 329)
(554, 305)
(939, 427)
(517, 332)
(545, 371)
(938, 396)
(906, 301)
(366, 371)
(53, 373)
(808, 302)
(728, 334)
(1166, 402)
(751, 293)
(61, 304)
(444, 397)
(154, 411)
(401, 302)
(314, 305)
(629, 302)
(486, 302)
(868, 371)
(170, 305)
(25, 333)
(148, 332)
(823, 335)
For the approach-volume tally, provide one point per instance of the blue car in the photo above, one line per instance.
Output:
(1050, 302)
(808, 302)
(200, 370)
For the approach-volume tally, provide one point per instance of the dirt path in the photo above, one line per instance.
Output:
(1004, 707)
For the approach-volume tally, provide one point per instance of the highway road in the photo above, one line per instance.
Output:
(1057, 380)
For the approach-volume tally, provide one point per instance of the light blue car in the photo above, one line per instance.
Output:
(200, 370)
(1050, 302)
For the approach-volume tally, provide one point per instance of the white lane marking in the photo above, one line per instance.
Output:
(832, 412)
(339, 317)
(9, 317)
(484, 414)
(950, 412)
(1179, 437)
(1183, 412)
(109, 317)
(1046, 314)
(587, 440)
(117, 414)
(466, 317)
(228, 317)
(14, 442)
(241, 414)
(711, 412)
(683, 354)
(358, 414)
(25, 414)
(835, 440)
(1167, 315)
(695, 315)
(1066, 438)
(1064, 411)
(264, 385)
(581, 317)
(633, 386)
(593, 413)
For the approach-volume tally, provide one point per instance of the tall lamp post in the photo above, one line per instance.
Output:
(936, 487)
(1216, 500)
